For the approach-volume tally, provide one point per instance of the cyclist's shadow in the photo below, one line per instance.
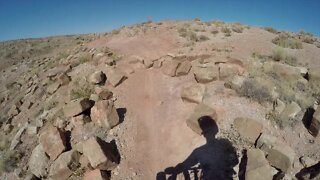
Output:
(212, 161)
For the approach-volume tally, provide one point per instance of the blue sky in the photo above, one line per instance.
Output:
(40, 18)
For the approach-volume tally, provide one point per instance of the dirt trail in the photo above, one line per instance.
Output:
(156, 132)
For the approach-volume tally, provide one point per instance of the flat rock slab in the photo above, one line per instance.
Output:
(53, 142)
(281, 157)
(38, 162)
(169, 67)
(100, 154)
(206, 74)
(52, 88)
(257, 166)
(193, 93)
(76, 107)
(248, 128)
(184, 68)
(104, 114)
(63, 167)
(97, 77)
(315, 123)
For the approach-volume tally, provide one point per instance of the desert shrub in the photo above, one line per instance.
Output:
(227, 34)
(9, 161)
(237, 28)
(182, 32)
(225, 30)
(115, 31)
(261, 57)
(280, 54)
(62, 55)
(81, 90)
(115, 57)
(214, 32)
(271, 30)
(287, 41)
(83, 58)
(306, 37)
(218, 23)
(203, 38)
(192, 36)
(252, 89)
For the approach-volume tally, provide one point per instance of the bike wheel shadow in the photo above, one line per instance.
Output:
(212, 161)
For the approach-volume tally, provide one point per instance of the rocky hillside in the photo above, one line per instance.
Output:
(162, 100)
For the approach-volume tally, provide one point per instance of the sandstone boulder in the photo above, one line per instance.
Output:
(13, 111)
(97, 77)
(157, 64)
(206, 74)
(266, 142)
(17, 137)
(200, 111)
(307, 161)
(183, 69)
(63, 167)
(53, 142)
(104, 114)
(100, 154)
(96, 175)
(169, 67)
(257, 166)
(193, 93)
(76, 107)
(148, 63)
(315, 123)
(52, 88)
(281, 157)
(57, 70)
(38, 162)
(105, 94)
(279, 106)
(227, 70)
(289, 112)
(248, 128)
(64, 79)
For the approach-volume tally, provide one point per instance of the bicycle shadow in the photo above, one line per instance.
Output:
(212, 161)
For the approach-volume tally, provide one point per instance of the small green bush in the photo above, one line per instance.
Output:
(182, 32)
(9, 161)
(306, 37)
(115, 31)
(203, 38)
(271, 30)
(237, 28)
(192, 36)
(252, 89)
(214, 32)
(279, 54)
(226, 30)
(81, 90)
(286, 41)
(218, 23)
(50, 103)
